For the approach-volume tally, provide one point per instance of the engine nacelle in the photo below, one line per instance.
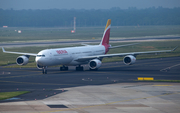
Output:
(129, 59)
(22, 60)
(95, 64)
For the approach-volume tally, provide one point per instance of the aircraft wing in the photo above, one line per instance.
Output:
(87, 58)
(122, 45)
(114, 46)
(29, 54)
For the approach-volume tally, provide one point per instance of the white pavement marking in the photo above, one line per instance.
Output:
(168, 68)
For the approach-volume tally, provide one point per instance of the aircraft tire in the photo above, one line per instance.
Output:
(80, 68)
(93, 69)
(44, 71)
(64, 68)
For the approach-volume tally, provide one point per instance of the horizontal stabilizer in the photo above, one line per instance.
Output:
(84, 44)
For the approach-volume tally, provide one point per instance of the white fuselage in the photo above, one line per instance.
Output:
(67, 56)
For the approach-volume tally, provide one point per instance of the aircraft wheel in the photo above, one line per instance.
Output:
(44, 71)
(64, 68)
(93, 69)
(82, 68)
(79, 68)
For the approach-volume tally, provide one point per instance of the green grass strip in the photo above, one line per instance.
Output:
(7, 95)
(166, 80)
(175, 81)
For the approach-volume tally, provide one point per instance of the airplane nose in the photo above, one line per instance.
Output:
(39, 60)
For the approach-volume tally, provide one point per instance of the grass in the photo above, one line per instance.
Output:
(177, 81)
(87, 33)
(7, 95)
(42, 34)
(174, 81)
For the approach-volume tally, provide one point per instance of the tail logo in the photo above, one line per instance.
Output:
(106, 35)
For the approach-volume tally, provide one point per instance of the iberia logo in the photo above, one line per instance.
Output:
(61, 51)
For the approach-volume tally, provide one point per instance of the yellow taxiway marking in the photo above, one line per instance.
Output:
(145, 78)
(73, 109)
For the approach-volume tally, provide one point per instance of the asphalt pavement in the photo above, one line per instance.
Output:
(113, 88)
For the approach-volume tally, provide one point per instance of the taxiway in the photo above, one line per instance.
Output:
(113, 88)
(45, 43)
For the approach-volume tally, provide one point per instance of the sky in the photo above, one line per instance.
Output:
(86, 4)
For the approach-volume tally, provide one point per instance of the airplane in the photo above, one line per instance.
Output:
(77, 56)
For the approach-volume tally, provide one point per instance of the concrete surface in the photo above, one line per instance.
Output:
(140, 97)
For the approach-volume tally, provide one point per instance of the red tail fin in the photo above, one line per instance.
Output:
(106, 35)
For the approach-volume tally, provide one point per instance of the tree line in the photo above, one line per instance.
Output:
(85, 18)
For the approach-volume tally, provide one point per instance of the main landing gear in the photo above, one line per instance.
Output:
(44, 70)
(79, 68)
(93, 69)
(63, 68)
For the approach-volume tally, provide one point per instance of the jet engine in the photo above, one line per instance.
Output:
(22, 60)
(94, 64)
(129, 59)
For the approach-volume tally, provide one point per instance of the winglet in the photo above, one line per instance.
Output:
(3, 49)
(175, 48)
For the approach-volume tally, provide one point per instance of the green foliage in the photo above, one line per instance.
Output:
(175, 81)
(7, 95)
(64, 18)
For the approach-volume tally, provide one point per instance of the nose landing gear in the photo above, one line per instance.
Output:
(44, 70)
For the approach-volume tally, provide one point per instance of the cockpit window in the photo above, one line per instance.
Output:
(40, 55)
